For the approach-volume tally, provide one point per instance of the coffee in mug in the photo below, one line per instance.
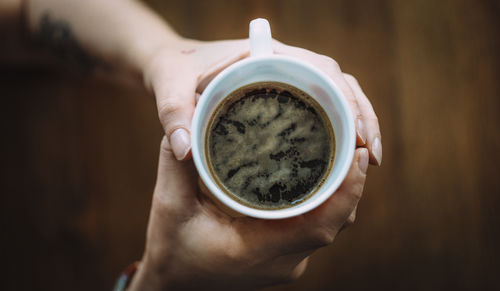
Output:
(262, 135)
(269, 145)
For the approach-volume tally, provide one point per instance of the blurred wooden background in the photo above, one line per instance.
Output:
(79, 154)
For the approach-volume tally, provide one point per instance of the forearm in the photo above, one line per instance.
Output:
(121, 34)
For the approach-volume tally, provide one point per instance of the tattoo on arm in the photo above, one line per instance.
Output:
(57, 37)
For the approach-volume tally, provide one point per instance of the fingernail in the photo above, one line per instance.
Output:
(377, 150)
(179, 140)
(363, 160)
(361, 130)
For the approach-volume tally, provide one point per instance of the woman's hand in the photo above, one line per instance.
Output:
(127, 36)
(191, 244)
(178, 73)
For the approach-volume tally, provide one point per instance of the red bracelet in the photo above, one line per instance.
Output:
(126, 277)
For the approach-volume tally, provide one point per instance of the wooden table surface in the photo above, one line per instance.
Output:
(79, 153)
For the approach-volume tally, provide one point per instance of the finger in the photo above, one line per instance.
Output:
(350, 220)
(271, 239)
(174, 183)
(373, 142)
(223, 54)
(331, 215)
(175, 99)
(316, 228)
(352, 217)
(332, 69)
(299, 270)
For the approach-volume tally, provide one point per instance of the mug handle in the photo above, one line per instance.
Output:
(261, 42)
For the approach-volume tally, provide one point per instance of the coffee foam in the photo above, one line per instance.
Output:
(270, 145)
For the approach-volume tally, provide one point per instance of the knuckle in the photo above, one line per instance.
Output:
(373, 119)
(328, 65)
(295, 275)
(350, 78)
(233, 255)
(159, 201)
(351, 219)
(358, 115)
(297, 272)
(238, 256)
(331, 62)
(357, 191)
(165, 145)
(168, 108)
(322, 236)
(354, 105)
(162, 206)
(288, 275)
(168, 113)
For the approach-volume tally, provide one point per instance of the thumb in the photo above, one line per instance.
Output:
(337, 209)
(175, 99)
(176, 181)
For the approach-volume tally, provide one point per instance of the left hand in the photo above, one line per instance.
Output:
(178, 73)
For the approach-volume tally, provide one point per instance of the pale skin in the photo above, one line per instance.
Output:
(190, 242)
(192, 245)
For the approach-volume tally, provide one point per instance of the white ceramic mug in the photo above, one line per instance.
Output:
(264, 66)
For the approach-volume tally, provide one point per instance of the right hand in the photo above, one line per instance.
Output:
(193, 245)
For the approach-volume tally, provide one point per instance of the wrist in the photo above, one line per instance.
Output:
(141, 50)
(150, 276)
(167, 59)
(144, 279)
(126, 277)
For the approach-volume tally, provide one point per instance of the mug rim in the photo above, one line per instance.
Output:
(321, 196)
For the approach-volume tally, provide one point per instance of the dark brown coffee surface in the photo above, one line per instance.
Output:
(269, 145)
